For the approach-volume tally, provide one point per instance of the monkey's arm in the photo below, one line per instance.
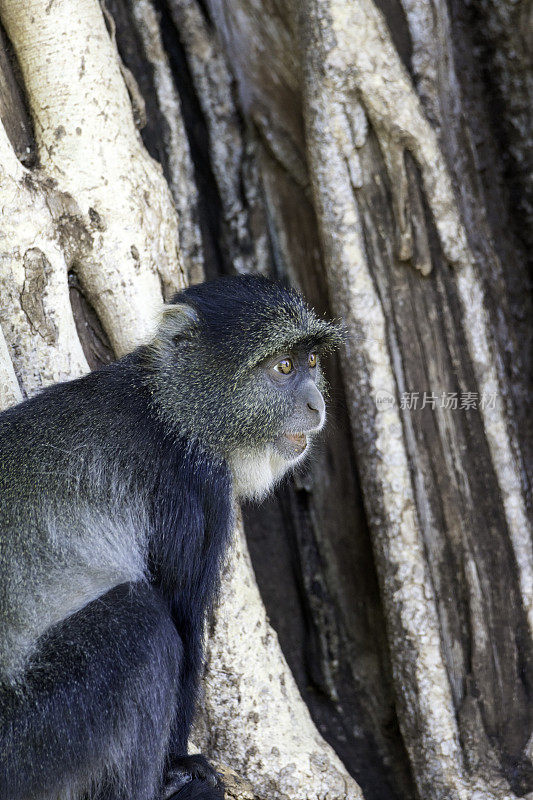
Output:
(192, 522)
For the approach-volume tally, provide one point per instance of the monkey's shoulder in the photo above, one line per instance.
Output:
(105, 426)
(91, 403)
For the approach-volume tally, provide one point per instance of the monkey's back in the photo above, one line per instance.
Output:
(74, 512)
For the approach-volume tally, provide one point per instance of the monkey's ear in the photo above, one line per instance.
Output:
(178, 321)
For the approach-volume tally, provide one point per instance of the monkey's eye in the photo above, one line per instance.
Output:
(313, 360)
(285, 366)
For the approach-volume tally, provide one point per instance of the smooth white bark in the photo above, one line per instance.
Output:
(87, 142)
(35, 312)
(255, 719)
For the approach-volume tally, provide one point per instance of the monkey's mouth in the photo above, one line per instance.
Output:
(299, 440)
(291, 445)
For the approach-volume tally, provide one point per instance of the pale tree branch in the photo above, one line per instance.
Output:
(9, 389)
(254, 718)
(87, 142)
(35, 311)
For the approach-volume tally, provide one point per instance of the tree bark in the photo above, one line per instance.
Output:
(375, 154)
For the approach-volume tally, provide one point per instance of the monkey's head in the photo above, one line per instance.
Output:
(236, 365)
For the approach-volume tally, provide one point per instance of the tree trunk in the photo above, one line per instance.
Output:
(375, 154)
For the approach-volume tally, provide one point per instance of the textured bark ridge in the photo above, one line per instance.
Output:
(375, 154)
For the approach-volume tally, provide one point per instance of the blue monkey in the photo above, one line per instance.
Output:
(117, 493)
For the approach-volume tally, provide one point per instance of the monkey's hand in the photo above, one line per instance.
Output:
(188, 769)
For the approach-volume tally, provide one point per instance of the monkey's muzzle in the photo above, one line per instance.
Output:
(291, 445)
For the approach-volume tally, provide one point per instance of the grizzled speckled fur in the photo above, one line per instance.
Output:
(116, 497)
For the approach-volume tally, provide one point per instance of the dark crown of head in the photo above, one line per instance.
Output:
(258, 316)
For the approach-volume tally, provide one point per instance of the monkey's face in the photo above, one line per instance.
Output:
(286, 410)
(292, 379)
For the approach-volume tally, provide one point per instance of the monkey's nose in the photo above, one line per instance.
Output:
(315, 403)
